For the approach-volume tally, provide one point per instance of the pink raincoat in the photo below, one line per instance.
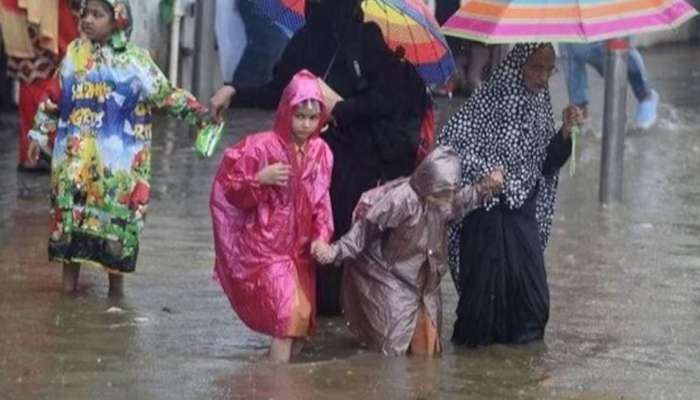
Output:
(263, 234)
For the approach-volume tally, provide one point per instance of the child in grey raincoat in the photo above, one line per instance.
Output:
(395, 254)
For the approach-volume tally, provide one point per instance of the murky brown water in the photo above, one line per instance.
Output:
(625, 282)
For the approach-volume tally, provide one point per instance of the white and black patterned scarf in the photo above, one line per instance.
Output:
(505, 125)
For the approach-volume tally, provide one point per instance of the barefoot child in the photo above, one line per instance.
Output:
(102, 156)
(270, 207)
(396, 255)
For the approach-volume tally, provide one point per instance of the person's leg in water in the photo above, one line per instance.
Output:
(116, 285)
(71, 272)
(281, 349)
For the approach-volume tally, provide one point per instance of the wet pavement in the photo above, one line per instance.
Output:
(625, 285)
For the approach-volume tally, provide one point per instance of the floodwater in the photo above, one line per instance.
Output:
(625, 285)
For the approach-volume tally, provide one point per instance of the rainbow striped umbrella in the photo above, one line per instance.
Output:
(405, 23)
(509, 21)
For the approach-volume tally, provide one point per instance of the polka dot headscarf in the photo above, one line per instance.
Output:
(505, 125)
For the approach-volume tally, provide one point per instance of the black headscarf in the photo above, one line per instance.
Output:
(335, 16)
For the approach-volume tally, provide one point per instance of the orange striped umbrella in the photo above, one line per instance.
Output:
(508, 21)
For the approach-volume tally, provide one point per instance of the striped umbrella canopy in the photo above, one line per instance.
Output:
(509, 21)
(404, 23)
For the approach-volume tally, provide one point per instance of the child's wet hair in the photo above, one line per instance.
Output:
(311, 105)
(108, 7)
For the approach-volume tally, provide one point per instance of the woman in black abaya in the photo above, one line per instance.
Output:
(497, 253)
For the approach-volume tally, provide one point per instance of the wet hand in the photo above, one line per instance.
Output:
(33, 153)
(324, 253)
(492, 184)
(572, 116)
(220, 102)
(275, 174)
(331, 97)
(497, 178)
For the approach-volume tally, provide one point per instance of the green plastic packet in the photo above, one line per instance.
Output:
(207, 140)
(575, 131)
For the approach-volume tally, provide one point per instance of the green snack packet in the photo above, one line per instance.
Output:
(207, 140)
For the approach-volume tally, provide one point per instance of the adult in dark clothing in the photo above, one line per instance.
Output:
(375, 127)
(266, 42)
(497, 253)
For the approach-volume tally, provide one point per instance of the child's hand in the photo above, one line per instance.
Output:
(323, 252)
(275, 175)
(497, 179)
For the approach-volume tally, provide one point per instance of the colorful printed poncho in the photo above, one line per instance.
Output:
(101, 164)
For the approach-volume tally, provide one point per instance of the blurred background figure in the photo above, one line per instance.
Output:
(265, 43)
(230, 36)
(474, 60)
(575, 57)
(35, 36)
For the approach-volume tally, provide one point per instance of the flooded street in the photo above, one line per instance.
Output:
(625, 288)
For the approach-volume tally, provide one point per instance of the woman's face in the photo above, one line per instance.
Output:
(539, 69)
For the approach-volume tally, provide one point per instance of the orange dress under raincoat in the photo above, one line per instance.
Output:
(263, 234)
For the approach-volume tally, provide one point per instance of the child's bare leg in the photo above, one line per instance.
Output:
(281, 350)
(116, 285)
(71, 272)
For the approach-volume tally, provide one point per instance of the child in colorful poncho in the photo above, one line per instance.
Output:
(101, 165)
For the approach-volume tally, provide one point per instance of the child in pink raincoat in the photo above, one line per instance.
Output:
(270, 206)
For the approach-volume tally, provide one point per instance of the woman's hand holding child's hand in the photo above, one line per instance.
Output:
(323, 252)
(275, 175)
(492, 184)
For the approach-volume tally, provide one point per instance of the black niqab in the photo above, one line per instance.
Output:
(333, 15)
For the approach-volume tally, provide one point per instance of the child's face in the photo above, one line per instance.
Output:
(304, 123)
(97, 21)
(442, 201)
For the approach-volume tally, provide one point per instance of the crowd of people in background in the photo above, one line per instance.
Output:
(334, 208)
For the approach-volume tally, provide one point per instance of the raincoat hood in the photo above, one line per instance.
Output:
(123, 22)
(440, 171)
(332, 15)
(304, 86)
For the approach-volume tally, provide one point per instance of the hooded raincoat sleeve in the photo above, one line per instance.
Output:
(322, 213)
(466, 201)
(387, 213)
(238, 177)
(178, 103)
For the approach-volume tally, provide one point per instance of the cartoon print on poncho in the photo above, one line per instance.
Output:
(101, 164)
